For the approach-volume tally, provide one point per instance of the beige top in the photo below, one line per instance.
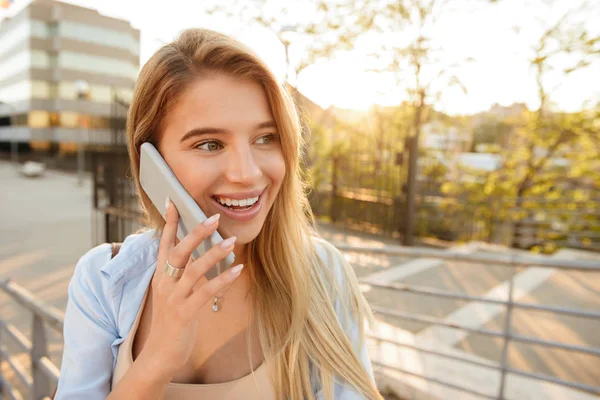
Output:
(254, 386)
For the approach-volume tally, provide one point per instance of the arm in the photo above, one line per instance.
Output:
(87, 361)
(89, 335)
(141, 382)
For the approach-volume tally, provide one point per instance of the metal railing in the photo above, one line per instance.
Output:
(508, 261)
(44, 373)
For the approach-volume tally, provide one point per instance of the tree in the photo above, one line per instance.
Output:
(418, 67)
(315, 31)
(493, 133)
(549, 136)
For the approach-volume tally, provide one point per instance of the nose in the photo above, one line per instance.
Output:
(242, 167)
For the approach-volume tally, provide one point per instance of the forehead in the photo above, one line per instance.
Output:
(218, 101)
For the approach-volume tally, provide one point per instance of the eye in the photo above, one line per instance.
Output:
(209, 145)
(267, 139)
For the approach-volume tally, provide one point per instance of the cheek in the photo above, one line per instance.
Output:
(195, 175)
(277, 168)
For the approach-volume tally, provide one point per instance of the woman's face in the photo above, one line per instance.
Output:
(221, 142)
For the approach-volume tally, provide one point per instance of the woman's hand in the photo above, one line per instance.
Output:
(177, 301)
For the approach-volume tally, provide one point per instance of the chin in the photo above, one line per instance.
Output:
(244, 234)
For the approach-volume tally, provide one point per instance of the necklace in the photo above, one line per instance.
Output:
(215, 306)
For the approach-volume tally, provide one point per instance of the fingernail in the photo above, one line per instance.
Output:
(167, 203)
(237, 269)
(212, 220)
(227, 243)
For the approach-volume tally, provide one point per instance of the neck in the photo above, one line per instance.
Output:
(239, 251)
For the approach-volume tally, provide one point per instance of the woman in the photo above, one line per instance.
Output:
(284, 324)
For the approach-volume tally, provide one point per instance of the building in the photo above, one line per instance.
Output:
(61, 67)
(445, 138)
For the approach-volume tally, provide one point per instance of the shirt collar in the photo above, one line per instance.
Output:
(138, 252)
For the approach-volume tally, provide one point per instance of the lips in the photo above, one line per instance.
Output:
(241, 215)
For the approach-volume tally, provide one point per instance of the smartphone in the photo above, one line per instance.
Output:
(159, 182)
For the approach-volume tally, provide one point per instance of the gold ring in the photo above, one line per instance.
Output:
(172, 271)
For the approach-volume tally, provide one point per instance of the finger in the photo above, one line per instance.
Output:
(181, 253)
(169, 233)
(213, 287)
(199, 267)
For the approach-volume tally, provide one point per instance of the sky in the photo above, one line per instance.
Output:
(499, 73)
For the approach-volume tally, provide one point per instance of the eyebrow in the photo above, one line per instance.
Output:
(208, 130)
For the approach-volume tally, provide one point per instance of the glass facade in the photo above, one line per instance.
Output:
(62, 90)
(12, 62)
(18, 62)
(39, 29)
(26, 59)
(14, 36)
(40, 59)
(63, 119)
(71, 30)
(38, 119)
(98, 35)
(97, 64)
(40, 90)
(16, 92)
(97, 93)
(17, 59)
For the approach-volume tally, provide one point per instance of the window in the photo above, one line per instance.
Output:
(53, 90)
(38, 29)
(20, 119)
(97, 64)
(98, 35)
(69, 119)
(40, 90)
(39, 119)
(12, 37)
(97, 93)
(52, 28)
(16, 92)
(14, 64)
(52, 59)
(54, 119)
(40, 59)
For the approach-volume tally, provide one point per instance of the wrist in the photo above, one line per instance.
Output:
(152, 368)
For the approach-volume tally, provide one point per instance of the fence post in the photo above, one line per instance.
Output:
(507, 324)
(39, 349)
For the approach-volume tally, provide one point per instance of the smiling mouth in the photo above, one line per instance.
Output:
(238, 207)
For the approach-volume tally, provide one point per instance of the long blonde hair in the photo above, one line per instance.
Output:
(294, 292)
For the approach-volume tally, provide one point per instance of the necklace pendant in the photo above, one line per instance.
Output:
(215, 306)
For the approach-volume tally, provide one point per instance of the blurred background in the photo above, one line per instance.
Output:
(453, 152)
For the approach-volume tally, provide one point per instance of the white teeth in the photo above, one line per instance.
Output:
(240, 203)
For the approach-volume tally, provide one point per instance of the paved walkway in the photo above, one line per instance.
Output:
(532, 285)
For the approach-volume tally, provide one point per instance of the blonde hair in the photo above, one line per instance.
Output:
(294, 293)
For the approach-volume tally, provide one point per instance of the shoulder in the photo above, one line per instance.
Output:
(327, 253)
(104, 276)
(340, 279)
(334, 265)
